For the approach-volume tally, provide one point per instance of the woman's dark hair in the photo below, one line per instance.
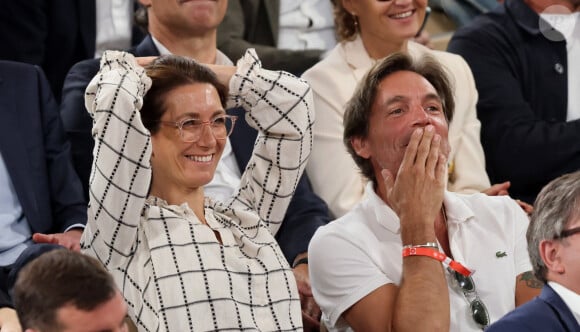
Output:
(168, 72)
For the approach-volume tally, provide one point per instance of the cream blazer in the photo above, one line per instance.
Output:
(332, 171)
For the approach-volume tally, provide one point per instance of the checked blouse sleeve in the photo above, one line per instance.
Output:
(279, 106)
(121, 169)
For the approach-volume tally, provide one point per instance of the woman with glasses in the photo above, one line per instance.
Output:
(185, 262)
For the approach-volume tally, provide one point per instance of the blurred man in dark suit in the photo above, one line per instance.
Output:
(41, 201)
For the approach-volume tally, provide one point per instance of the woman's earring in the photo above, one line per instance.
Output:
(355, 20)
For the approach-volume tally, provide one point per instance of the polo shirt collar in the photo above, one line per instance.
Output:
(457, 210)
(380, 211)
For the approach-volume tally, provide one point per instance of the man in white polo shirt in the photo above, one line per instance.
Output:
(413, 256)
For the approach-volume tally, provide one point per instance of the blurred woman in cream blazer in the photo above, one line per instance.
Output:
(370, 30)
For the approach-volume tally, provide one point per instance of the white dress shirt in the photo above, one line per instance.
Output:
(306, 25)
(114, 25)
(569, 297)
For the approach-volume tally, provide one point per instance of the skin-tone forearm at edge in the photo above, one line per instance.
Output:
(9, 320)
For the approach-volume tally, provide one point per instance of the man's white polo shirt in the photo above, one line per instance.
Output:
(356, 254)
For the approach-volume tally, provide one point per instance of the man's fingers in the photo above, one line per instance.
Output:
(145, 60)
(411, 151)
(441, 169)
(498, 189)
(424, 146)
(305, 290)
(76, 247)
(525, 206)
(44, 238)
(313, 310)
(433, 157)
(310, 324)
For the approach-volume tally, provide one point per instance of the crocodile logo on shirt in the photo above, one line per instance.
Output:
(500, 254)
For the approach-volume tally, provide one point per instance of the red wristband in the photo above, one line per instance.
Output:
(438, 255)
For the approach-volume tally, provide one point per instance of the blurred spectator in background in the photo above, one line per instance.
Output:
(462, 12)
(524, 57)
(57, 34)
(289, 35)
(41, 201)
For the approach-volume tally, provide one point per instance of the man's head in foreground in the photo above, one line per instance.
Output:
(67, 291)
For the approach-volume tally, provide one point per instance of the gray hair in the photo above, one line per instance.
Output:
(358, 109)
(557, 204)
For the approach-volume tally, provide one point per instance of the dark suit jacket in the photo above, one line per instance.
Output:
(546, 312)
(254, 24)
(36, 152)
(522, 82)
(306, 212)
(52, 34)
(4, 299)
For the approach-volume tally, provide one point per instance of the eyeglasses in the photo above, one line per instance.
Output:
(190, 129)
(567, 232)
(478, 310)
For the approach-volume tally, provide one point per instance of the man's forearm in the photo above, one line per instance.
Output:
(423, 299)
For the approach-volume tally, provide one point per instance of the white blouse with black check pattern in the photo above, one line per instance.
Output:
(172, 271)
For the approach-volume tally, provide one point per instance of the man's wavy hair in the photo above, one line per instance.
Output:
(359, 107)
